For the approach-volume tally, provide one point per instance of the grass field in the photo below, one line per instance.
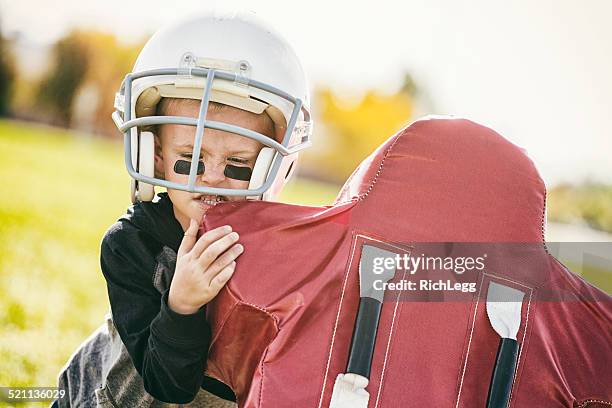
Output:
(61, 193)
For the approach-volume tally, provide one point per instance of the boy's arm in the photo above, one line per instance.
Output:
(168, 349)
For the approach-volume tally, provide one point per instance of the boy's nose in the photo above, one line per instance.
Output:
(213, 174)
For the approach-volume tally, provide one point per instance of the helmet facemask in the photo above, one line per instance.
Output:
(135, 117)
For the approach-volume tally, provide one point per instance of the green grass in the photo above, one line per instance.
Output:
(60, 194)
(61, 191)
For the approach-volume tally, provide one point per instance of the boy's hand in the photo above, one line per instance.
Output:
(202, 267)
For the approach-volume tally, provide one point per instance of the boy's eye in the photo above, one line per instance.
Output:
(237, 160)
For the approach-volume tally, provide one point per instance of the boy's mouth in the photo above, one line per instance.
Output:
(210, 199)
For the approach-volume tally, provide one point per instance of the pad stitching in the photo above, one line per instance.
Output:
(543, 228)
(582, 404)
(337, 318)
(225, 319)
(380, 167)
(261, 381)
(276, 323)
(518, 360)
(467, 354)
(240, 302)
(346, 201)
(507, 280)
(382, 374)
(226, 315)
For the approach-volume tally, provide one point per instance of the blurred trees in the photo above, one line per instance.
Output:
(589, 202)
(7, 75)
(79, 88)
(86, 69)
(109, 62)
(58, 88)
(349, 130)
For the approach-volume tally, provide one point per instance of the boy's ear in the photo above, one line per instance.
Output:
(159, 159)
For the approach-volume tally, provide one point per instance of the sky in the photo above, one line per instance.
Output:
(538, 72)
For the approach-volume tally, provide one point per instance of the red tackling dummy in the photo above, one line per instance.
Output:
(282, 327)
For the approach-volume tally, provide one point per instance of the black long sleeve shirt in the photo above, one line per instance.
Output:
(168, 349)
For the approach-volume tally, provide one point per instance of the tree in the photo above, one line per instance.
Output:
(109, 61)
(58, 89)
(353, 129)
(7, 76)
(87, 69)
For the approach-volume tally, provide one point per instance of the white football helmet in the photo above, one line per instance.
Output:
(232, 59)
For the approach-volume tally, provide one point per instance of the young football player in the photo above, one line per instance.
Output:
(216, 109)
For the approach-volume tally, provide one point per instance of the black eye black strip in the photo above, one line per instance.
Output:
(183, 166)
(238, 173)
(233, 172)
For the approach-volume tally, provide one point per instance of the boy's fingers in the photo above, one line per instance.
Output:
(189, 239)
(224, 260)
(208, 238)
(215, 249)
(217, 283)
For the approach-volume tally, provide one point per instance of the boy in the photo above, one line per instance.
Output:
(159, 274)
